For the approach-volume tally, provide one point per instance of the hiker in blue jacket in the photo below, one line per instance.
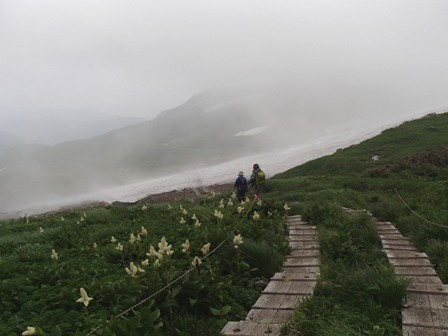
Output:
(257, 180)
(241, 187)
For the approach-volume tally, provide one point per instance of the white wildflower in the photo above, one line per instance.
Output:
(113, 240)
(240, 209)
(85, 299)
(256, 216)
(221, 204)
(132, 269)
(196, 261)
(197, 223)
(186, 246)
(132, 238)
(237, 240)
(194, 217)
(229, 203)
(145, 262)
(206, 248)
(54, 255)
(233, 196)
(218, 214)
(286, 207)
(119, 247)
(182, 220)
(143, 231)
(29, 331)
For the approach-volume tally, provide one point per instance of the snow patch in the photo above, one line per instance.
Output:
(253, 131)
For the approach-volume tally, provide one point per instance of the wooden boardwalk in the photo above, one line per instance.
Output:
(286, 289)
(426, 310)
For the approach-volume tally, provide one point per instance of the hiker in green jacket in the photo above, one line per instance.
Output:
(257, 180)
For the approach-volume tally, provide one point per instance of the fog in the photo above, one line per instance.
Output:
(286, 73)
(141, 57)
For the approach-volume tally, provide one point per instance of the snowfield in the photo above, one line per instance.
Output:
(272, 163)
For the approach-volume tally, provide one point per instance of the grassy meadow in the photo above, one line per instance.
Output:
(186, 268)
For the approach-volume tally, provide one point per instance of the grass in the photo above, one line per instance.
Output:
(39, 291)
(357, 292)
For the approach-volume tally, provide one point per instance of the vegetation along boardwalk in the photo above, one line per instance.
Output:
(426, 310)
(286, 289)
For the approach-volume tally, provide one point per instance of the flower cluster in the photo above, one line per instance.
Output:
(218, 214)
(237, 240)
(133, 269)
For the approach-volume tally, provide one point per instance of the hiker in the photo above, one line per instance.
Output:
(257, 180)
(241, 187)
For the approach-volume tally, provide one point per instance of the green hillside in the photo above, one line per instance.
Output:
(357, 292)
(407, 185)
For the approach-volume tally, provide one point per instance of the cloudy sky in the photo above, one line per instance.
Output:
(139, 57)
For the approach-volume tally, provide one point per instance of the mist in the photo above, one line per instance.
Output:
(106, 93)
(141, 58)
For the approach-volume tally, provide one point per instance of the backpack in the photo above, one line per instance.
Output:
(260, 178)
(241, 183)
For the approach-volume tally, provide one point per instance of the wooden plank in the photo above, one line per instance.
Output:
(304, 245)
(421, 271)
(290, 288)
(417, 316)
(302, 239)
(262, 315)
(417, 301)
(396, 243)
(423, 331)
(429, 279)
(268, 315)
(303, 270)
(280, 301)
(392, 236)
(278, 287)
(403, 248)
(298, 231)
(247, 328)
(407, 247)
(293, 276)
(302, 288)
(411, 262)
(304, 253)
(439, 302)
(438, 289)
(392, 254)
(440, 318)
(310, 261)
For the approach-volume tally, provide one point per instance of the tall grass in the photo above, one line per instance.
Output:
(357, 292)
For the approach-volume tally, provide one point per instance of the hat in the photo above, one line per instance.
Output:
(241, 173)
(256, 166)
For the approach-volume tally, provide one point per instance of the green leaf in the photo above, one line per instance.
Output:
(220, 312)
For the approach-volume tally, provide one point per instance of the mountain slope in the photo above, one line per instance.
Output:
(199, 133)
